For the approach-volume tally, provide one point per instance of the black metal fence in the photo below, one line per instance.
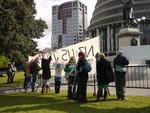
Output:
(136, 77)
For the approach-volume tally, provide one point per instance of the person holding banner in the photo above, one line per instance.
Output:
(120, 72)
(70, 68)
(46, 73)
(82, 78)
(58, 75)
(33, 69)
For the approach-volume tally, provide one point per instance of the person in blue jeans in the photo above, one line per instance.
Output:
(35, 69)
(28, 76)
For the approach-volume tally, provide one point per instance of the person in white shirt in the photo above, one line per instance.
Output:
(58, 75)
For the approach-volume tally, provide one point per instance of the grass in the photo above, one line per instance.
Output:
(18, 80)
(58, 103)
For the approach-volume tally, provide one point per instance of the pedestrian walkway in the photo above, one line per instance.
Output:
(129, 91)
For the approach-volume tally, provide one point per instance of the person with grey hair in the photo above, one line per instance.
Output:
(120, 71)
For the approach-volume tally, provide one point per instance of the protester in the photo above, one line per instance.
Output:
(28, 76)
(9, 73)
(13, 68)
(82, 79)
(46, 73)
(58, 75)
(33, 69)
(70, 68)
(102, 66)
(120, 72)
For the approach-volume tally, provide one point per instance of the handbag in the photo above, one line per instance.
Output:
(110, 76)
(120, 69)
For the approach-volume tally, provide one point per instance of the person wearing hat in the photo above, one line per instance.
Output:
(82, 78)
(120, 71)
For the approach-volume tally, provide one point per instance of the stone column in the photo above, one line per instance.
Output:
(108, 38)
(97, 32)
(90, 34)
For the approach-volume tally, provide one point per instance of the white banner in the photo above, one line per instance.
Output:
(133, 53)
(89, 47)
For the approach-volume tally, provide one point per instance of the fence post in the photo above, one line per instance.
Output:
(94, 94)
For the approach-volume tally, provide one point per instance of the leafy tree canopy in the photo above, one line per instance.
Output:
(18, 27)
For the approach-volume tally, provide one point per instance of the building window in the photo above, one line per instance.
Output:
(54, 13)
(54, 8)
(75, 4)
(85, 8)
(74, 8)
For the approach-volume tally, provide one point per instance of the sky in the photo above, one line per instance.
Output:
(44, 7)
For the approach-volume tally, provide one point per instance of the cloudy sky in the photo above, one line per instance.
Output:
(44, 11)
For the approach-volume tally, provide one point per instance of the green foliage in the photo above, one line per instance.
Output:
(4, 61)
(18, 27)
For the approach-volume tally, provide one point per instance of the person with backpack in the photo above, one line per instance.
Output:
(46, 73)
(58, 75)
(82, 78)
(33, 69)
(102, 66)
(70, 68)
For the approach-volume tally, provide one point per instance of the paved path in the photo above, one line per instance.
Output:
(129, 91)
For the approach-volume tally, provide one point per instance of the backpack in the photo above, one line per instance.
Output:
(87, 67)
(58, 65)
(31, 68)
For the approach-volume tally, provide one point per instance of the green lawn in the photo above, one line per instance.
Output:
(18, 80)
(58, 103)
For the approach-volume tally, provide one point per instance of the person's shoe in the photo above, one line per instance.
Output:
(33, 90)
(42, 91)
(97, 100)
(124, 98)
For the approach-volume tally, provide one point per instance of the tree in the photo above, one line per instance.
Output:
(4, 61)
(18, 27)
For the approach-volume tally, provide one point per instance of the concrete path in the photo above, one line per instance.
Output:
(129, 91)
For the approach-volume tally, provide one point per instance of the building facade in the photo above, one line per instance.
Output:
(107, 20)
(69, 20)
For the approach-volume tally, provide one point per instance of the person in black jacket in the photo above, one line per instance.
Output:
(46, 73)
(120, 72)
(102, 66)
(82, 78)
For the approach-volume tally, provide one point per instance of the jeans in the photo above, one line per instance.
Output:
(34, 80)
(27, 81)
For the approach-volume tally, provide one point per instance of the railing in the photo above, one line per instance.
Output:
(136, 77)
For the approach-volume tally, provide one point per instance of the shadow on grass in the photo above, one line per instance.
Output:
(52, 102)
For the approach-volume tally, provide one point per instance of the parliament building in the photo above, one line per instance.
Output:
(107, 20)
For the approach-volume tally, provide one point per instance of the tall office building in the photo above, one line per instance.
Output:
(69, 20)
(107, 20)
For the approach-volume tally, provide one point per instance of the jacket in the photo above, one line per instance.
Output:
(120, 61)
(81, 72)
(71, 69)
(102, 66)
(45, 65)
